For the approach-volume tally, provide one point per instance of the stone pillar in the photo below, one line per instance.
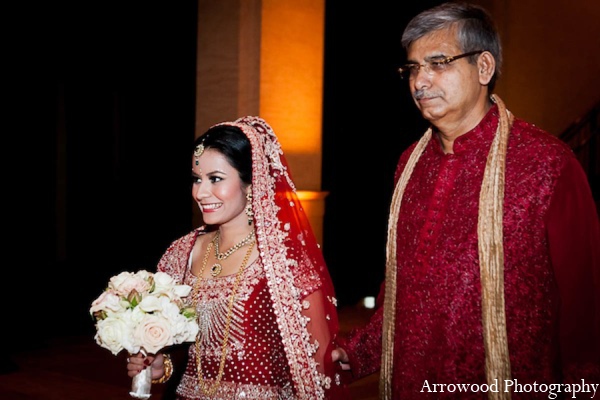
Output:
(265, 58)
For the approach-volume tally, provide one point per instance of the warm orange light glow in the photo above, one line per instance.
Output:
(308, 195)
(291, 82)
(267, 60)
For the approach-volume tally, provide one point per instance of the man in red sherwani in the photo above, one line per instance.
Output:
(492, 284)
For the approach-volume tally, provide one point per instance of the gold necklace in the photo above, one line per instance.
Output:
(216, 269)
(209, 390)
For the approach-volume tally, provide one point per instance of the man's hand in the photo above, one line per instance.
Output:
(340, 355)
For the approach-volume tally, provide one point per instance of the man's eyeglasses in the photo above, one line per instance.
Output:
(435, 65)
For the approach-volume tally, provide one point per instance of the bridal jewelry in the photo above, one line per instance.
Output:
(198, 152)
(208, 389)
(216, 269)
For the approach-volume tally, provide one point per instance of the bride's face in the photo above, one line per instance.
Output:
(218, 189)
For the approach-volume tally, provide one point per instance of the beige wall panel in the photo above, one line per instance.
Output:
(218, 62)
(551, 69)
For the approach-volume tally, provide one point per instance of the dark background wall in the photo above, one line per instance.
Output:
(101, 113)
(369, 119)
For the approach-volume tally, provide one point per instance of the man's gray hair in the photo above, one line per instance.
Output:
(474, 26)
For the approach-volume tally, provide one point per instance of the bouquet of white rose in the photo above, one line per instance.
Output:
(143, 312)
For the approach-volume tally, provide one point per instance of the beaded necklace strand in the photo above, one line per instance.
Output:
(209, 390)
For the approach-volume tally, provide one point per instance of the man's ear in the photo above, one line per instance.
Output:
(486, 65)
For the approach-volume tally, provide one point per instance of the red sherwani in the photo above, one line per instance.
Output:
(551, 269)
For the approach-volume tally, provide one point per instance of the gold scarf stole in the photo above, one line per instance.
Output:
(491, 262)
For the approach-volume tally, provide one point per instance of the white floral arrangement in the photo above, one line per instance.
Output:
(144, 312)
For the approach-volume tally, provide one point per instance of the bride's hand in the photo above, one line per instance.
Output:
(138, 362)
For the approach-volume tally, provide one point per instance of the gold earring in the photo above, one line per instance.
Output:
(249, 212)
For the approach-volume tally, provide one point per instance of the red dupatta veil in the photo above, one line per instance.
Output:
(299, 282)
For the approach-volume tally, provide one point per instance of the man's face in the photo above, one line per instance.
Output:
(445, 98)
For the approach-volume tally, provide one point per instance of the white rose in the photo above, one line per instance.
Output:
(114, 334)
(185, 329)
(134, 316)
(182, 290)
(169, 310)
(143, 275)
(117, 280)
(153, 333)
(164, 282)
(152, 303)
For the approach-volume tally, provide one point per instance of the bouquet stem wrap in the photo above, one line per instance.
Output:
(142, 382)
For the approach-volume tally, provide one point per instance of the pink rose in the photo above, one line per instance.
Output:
(107, 302)
(154, 332)
(125, 282)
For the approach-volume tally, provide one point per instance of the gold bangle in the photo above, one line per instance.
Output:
(168, 367)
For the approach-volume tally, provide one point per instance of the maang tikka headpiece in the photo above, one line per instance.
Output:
(198, 151)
